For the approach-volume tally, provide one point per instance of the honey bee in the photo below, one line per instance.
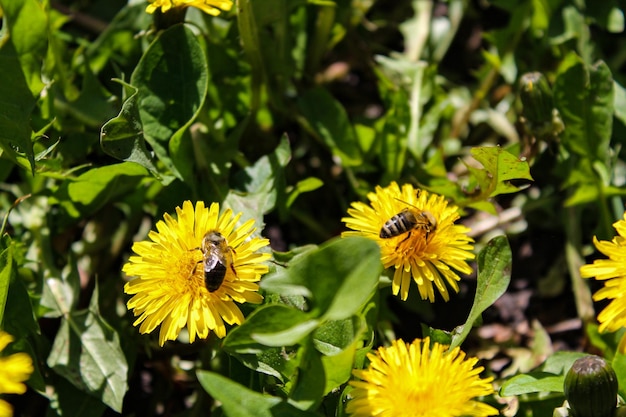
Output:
(408, 220)
(217, 258)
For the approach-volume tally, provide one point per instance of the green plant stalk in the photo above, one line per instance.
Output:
(248, 31)
(5, 221)
(582, 294)
(319, 41)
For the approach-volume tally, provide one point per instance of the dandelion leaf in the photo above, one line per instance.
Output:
(239, 401)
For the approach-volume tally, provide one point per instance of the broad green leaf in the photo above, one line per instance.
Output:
(281, 361)
(584, 96)
(309, 387)
(289, 336)
(19, 319)
(494, 275)
(88, 188)
(619, 366)
(175, 58)
(6, 271)
(16, 105)
(559, 363)
(270, 325)
(122, 136)
(338, 368)
(337, 341)
(87, 352)
(532, 382)
(332, 337)
(500, 167)
(620, 102)
(90, 191)
(548, 377)
(326, 118)
(60, 294)
(20, 322)
(338, 278)
(239, 401)
(28, 33)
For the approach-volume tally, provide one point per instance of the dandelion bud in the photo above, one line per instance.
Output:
(591, 388)
(541, 118)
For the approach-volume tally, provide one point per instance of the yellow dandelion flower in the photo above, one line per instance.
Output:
(14, 370)
(170, 288)
(613, 272)
(417, 380)
(429, 253)
(212, 7)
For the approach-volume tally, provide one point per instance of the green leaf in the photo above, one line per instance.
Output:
(393, 126)
(328, 121)
(60, 294)
(494, 275)
(267, 42)
(304, 186)
(337, 278)
(337, 341)
(410, 75)
(620, 102)
(584, 96)
(239, 401)
(28, 33)
(90, 191)
(333, 337)
(263, 184)
(532, 382)
(619, 365)
(308, 389)
(6, 272)
(122, 136)
(548, 377)
(559, 363)
(500, 167)
(175, 58)
(19, 319)
(338, 368)
(87, 352)
(270, 325)
(16, 105)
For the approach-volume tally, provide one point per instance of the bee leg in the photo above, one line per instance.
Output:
(399, 243)
(232, 266)
(193, 271)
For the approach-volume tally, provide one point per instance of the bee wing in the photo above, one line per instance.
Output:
(210, 262)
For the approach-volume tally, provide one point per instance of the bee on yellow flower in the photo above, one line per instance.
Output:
(418, 237)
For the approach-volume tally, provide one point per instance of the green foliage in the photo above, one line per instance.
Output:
(494, 275)
(287, 112)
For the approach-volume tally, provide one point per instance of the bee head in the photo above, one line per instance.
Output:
(212, 238)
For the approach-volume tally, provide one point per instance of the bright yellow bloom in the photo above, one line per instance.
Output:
(212, 7)
(429, 257)
(14, 370)
(417, 380)
(613, 272)
(170, 289)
